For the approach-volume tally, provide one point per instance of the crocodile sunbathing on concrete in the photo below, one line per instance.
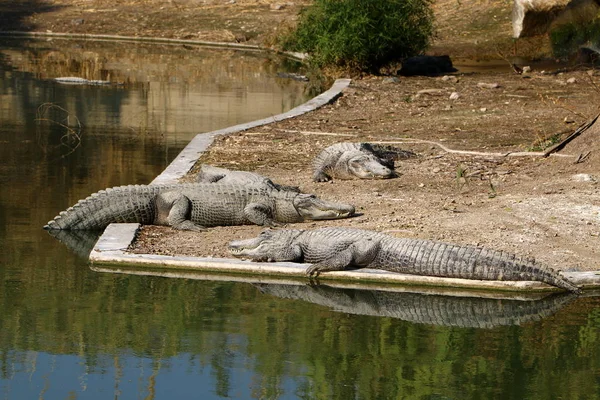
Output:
(335, 249)
(210, 174)
(357, 160)
(194, 206)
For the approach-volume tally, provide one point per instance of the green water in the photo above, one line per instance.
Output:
(70, 332)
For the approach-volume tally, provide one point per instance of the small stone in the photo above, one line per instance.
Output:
(277, 7)
(571, 80)
(421, 185)
(483, 109)
(568, 120)
(454, 96)
(583, 178)
(484, 85)
(390, 79)
(430, 91)
(526, 69)
(450, 78)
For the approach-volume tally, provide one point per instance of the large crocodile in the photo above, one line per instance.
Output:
(210, 174)
(357, 160)
(425, 308)
(195, 206)
(335, 249)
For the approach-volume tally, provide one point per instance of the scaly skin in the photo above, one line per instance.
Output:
(195, 206)
(357, 160)
(210, 174)
(335, 249)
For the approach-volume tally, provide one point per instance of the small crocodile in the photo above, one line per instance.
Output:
(335, 249)
(210, 174)
(194, 206)
(357, 160)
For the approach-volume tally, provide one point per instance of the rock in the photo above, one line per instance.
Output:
(537, 17)
(277, 7)
(454, 96)
(526, 69)
(583, 178)
(450, 78)
(571, 80)
(391, 79)
(430, 92)
(483, 109)
(426, 66)
(484, 85)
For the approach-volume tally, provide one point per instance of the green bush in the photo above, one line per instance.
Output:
(567, 38)
(363, 35)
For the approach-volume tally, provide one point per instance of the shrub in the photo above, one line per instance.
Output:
(567, 38)
(363, 35)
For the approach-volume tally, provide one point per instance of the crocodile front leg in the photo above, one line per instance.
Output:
(260, 214)
(359, 254)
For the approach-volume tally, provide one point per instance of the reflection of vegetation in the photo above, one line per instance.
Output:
(51, 120)
(328, 354)
(566, 39)
(14, 14)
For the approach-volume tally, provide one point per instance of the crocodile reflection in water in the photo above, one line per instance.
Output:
(80, 242)
(432, 309)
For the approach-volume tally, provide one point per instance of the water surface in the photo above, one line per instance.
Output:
(67, 331)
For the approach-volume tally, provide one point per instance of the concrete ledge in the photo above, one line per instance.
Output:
(111, 249)
(189, 155)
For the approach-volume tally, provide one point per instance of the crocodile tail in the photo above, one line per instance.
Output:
(388, 154)
(131, 203)
(555, 278)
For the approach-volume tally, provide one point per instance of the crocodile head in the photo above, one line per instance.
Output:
(309, 206)
(367, 166)
(270, 245)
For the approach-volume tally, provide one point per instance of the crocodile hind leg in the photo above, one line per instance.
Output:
(174, 209)
(358, 254)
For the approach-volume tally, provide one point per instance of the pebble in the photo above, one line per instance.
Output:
(583, 178)
(391, 79)
(571, 80)
(450, 78)
(454, 96)
(488, 85)
(430, 92)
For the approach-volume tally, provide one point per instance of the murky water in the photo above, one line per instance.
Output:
(67, 331)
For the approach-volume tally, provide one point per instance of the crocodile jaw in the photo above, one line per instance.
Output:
(313, 208)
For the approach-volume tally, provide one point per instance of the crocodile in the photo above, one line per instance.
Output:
(335, 249)
(210, 174)
(357, 160)
(195, 206)
(425, 308)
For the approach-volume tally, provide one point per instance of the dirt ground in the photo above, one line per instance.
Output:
(548, 208)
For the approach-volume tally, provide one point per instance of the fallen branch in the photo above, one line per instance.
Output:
(582, 128)
(474, 153)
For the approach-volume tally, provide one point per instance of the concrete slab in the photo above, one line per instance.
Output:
(111, 248)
